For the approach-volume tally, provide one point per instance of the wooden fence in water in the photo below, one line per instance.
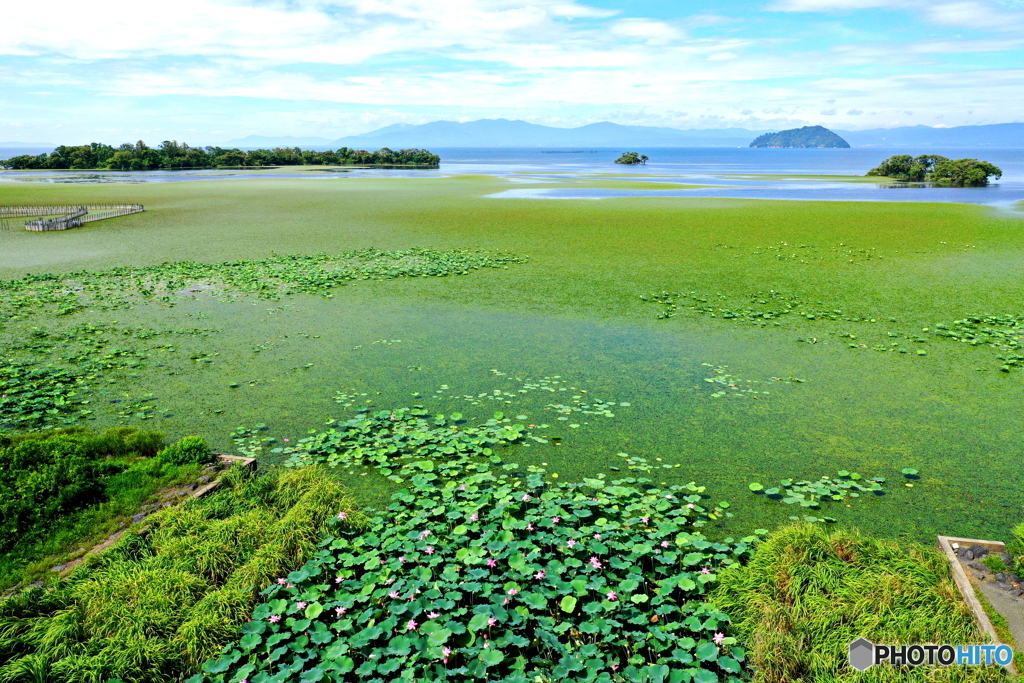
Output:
(68, 216)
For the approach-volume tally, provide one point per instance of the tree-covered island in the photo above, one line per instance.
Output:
(809, 136)
(171, 154)
(937, 169)
(632, 158)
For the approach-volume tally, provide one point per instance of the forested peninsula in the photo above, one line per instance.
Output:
(808, 136)
(171, 154)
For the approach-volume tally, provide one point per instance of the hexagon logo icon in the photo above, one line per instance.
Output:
(862, 654)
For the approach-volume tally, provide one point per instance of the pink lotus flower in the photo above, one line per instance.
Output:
(338, 611)
(282, 581)
(491, 562)
(571, 543)
(447, 652)
(610, 595)
(274, 619)
(393, 595)
(645, 519)
(665, 544)
(290, 585)
(492, 621)
(429, 550)
(342, 515)
(424, 534)
(595, 563)
(433, 615)
(556, 520)
(529, 527)
(614, 667)
(411, 626)
(338, 580)
(473, 517)
(300, 605)
(401, 558)
(597, 536)
(705, 570)
(719, 637)
(512, 591)
(690, 505)
(462, 488)
(539, 575)
(526, 497)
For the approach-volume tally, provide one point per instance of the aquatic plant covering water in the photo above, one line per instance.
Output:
(481, 569)
(269, 278)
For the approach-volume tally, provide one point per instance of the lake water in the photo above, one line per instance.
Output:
(709, 166)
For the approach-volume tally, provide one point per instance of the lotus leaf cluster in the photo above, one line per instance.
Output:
(498, 574)
(811, 494)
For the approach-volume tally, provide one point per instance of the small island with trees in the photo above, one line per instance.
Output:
(817, 137)
(632, 158)
(171, 154)
(937, 169)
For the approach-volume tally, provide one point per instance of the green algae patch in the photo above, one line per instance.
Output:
(574, 309)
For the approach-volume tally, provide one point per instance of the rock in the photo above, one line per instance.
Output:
(138, 518)
(36, 584)
(1018, 592)
(966, 554)
(192, 487)
(1000, 576)
(203, 479)
(1010, 576)
(980, 577)
(58, 567)
(1007, 559)
(977, 565)
(979, 551)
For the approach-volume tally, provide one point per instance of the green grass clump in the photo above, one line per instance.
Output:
(809, 592)
(192, 450)
(172, 591)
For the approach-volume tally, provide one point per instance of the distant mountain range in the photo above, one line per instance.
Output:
(506, 133)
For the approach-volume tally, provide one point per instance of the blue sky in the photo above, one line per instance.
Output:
(206, 71)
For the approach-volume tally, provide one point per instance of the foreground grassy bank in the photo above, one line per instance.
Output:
(171, 592)
(64, 490)
(808, 593)
(575, 310)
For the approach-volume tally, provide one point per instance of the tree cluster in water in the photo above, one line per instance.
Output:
(171, 154)
(936, 168)
(632, 158)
